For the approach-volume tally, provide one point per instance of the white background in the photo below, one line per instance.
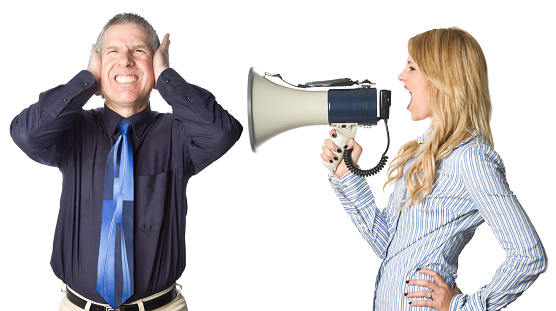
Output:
(265, 231)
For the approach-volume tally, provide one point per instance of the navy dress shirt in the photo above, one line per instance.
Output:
(168, 149)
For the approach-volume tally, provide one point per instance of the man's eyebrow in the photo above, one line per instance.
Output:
(144, 47)
(112, 47)
(140, 46)
(133, 47)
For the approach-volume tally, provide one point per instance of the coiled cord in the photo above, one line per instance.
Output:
(373, 171)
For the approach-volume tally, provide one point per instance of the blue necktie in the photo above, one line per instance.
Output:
(115, 257)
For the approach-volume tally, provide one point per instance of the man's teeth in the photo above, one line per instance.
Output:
(126, 79)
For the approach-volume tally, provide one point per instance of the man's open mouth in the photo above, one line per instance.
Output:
(126, 78)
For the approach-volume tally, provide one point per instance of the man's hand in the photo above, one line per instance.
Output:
(95, 67)
(161, 59)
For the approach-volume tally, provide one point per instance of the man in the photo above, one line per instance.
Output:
(95, 151)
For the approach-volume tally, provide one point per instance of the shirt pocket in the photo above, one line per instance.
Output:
(151, 201)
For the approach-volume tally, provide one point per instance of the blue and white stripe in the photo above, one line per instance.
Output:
(470, 189)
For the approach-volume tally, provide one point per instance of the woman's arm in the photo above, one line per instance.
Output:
(358, 200)
(484, 177)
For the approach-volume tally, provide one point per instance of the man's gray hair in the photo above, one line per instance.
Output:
(125, 18)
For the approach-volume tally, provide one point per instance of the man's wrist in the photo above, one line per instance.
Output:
(157, 76)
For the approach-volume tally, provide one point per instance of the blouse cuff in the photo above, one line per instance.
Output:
(352, 190)
(457, 302)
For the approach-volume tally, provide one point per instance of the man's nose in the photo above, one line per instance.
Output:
(126, 59)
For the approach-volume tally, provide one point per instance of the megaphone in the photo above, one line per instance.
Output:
(343, 104)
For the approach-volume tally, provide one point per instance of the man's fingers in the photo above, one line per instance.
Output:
(95, 64)
(161, 58)
(166, 41)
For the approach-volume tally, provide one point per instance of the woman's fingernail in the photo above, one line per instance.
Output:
(336, 158)
(331, 161)
(406, 282)
(419, 269)
(410, 302)
(339, 150)
(405, 294)
(333, 135)
(345, 147)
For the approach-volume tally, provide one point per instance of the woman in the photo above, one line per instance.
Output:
(447, 182)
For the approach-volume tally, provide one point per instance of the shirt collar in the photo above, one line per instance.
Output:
(421, 139)
(138, 121)
(428, 133)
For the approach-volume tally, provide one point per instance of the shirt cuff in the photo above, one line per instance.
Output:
(457, 302)
(352, 190)
(83, 81)
(169, 78)
(189, 102)
(70, 97)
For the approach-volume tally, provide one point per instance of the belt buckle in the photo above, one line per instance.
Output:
(120, 308)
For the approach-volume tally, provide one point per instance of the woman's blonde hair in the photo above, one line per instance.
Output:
(455, 71)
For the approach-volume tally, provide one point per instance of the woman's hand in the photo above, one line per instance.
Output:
(328, 156)
(440, 293)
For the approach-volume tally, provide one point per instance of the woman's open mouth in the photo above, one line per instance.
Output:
(411, 96)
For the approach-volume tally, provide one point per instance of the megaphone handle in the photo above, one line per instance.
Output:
(344, 132)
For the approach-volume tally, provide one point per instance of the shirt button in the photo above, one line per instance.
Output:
(65, 99)
(86, 83)
(167, 80)
(188, 97)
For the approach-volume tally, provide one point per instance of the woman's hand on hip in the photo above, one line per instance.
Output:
(439, 294)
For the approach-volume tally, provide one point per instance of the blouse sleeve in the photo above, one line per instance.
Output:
(483, 175)
(358, 201)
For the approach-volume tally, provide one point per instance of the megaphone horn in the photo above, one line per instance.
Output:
(273, 109)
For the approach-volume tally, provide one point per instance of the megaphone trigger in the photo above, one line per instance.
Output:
(344, 132)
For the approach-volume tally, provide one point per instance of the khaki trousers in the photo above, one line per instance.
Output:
(178, 304)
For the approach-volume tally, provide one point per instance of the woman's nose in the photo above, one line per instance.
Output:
(401, 77)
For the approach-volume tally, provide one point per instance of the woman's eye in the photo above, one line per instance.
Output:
(411, 68)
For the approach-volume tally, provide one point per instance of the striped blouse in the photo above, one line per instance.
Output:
(470, 189)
